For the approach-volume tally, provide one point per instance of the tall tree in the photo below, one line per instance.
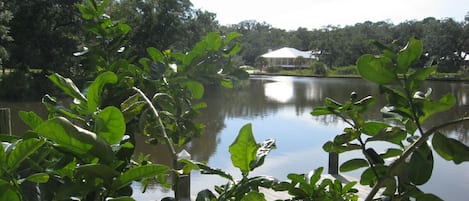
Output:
(5, 17)
(46, 34)
(156, 23)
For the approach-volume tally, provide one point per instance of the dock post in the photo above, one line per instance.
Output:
(333, 163)
(5, 121)
(183, 183)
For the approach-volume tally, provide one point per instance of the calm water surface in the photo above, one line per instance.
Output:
(279, 107)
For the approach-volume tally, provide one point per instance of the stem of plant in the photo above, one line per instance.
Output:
(168, 140)
(408, 152)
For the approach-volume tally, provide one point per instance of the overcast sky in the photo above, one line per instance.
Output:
(291, 14)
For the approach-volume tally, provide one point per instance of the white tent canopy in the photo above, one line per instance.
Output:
(287, 52)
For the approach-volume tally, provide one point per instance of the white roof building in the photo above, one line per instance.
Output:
(288, 57)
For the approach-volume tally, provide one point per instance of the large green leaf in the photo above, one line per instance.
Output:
(376, 69)
(243, 149)
(31, 119)
(421, 165)
(353, 164)
(96, 88)
(409, 54)
(450, 149)
(372, 128)
(38, 178)
(155, 54)
(196, 88)
(21, 151)
(393, 135)
(138, 173)
(67, 86)
(105, 172)
(110, 125)
(75, 139)
(7, 192)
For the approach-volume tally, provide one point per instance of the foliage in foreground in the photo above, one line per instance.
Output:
(84, 149)
(408, 107)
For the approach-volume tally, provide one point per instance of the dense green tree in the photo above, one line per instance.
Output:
(5, 17)
(45, 33)
(156, 23)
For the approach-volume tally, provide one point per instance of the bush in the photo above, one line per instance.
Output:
(319, 68)
(273, 69)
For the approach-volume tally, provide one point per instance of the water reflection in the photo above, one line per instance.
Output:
(279, 107)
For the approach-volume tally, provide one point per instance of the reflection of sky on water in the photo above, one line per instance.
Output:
(279, 91)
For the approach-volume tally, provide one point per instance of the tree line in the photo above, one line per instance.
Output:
(48, 36)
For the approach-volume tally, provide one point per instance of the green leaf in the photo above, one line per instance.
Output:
(67, 86)
(391, 152)
(372, 128)
(421, 165)
(318, 111)
(205, 195)
(213, 41)
(226, 83)
(376, 69)
(415, 80)
(234, 49)
(96, 88)
(253, 196)
(74, 138)
(7, 192)
(450, 149)
(409, 54)
(204, 169)
(62, 132)
(353, 164)
(97, 171)
(21, 151)
(110, 125)
(31, 119)
(262, 151)
(3, 157)
(243, 149)
(331, 103)
(339, 148)
(368, 176)
(316, 176)
(431, 107)
(138, 173)
(155, 54)
(393, 135)
(195, 87)
(364, 104)
(38, 178)
(231, 36)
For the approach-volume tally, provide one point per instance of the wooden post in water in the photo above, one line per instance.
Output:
(333, 163)
(5, 121)
(183, 183)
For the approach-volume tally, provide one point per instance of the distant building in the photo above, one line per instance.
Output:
(288, 57)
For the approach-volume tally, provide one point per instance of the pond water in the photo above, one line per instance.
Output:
(279, 107)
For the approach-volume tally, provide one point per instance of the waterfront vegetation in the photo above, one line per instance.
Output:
(84, 149)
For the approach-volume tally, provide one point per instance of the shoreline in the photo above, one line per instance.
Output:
(353, 77)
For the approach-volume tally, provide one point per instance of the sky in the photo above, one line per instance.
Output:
(315, 14)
